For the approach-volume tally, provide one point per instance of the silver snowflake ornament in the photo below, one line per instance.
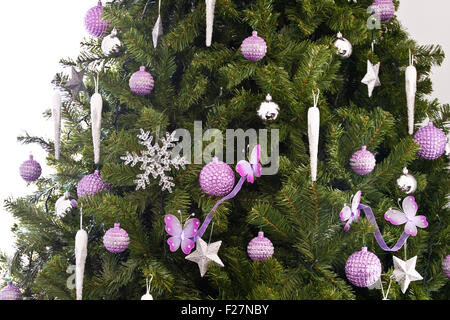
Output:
(156, 160)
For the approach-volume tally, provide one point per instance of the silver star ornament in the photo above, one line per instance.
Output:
(75, 85)
(405, 272)
(204, 254)
(371, 78)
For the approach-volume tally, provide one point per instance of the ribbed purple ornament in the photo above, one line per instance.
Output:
(254, 48)
(363, 268)
(217, 178)
(446, 266)
(30, 170)
(10, 292)
(432, 142)
(363, 161)
(93, 22)
(384, 8)
(141, 82)
(260, 248)
(116, 240)
(91, 184)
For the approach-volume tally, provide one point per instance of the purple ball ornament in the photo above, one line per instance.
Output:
(217, 178)
(446, 266)
(254, 48)
(116, 240)
(30, 170)
(363, 268)
(260, 248)
(10, 292)
(384, 8)
(363, 161)
(432, 142)
(141, 82)
(91, 184)
(93, 22)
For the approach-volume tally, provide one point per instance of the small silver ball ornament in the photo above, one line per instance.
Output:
(343, 46)
(111, 43)
(268, 110)
(407, 182)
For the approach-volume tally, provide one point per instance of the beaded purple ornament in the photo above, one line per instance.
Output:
(254, 48)
(91, 184)
(363, 268)
(260, 248)
(93, 22)
(141, 82)
(30, 170)
(116, 240)
(217, 178)
(10, 292)
(384, 8)
(446, 266)
(432, 142)
(363, 161)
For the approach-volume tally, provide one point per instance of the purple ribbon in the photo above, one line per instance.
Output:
(370, 216)
(209, 217)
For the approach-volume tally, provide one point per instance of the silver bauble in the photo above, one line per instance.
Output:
(407, 182)
(111, 43)
(268, 110)
(343, 46)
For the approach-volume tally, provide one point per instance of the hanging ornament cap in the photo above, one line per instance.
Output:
(254, 48)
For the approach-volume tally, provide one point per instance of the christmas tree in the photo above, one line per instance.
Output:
(212, 92)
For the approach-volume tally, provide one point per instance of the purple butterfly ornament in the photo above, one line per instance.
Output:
(351, 214)
(253, 168)
(181, 236)
(407, 216)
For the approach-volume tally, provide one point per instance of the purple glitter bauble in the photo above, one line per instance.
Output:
(116, 240)
(141, 82)
(260, 248)
(217, 178)
(446, 266)
(363, 161)
(91, 184)
(254, 48)
(30, 170)
(432, 142)
(384, 8)
(93, 22)
(363, 268)
(10, 292)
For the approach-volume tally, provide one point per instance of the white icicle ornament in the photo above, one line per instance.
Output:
(81, 243)
(210, 7)
(56, 112)
(148, 296)
(158, 28)
(313, 135)
(411, 89)
(96, 119)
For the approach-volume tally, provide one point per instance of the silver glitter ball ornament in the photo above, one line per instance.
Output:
(407, 182)
(343, 46)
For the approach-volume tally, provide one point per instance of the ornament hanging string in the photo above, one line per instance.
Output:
(209, 217)
(377, 234)
(148, 283)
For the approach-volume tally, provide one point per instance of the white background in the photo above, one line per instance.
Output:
(37, 34)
